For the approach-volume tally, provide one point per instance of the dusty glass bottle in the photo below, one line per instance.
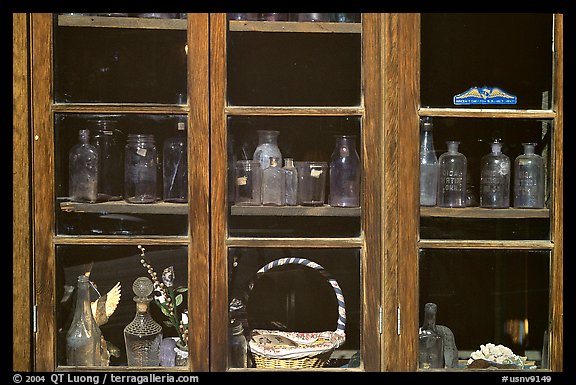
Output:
(495, 178)
(107, 139)
(84, 336)
(143, 335)
(430, 344)
(238, 351)
(452, 177)
(175, 167)
(345, 169)
(247, 183)
(428, 165)
(141, 169)
(83, 161)
(267, 148)
(529, 179)
(290, 182)
(273, 183)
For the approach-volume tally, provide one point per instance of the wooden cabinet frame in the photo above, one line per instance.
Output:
(389, 246)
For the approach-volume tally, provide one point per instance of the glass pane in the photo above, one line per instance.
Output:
(512, 52)
(108, 266)
(281, 299)
(304, 220)
(475, 137)
(294, 69)
(489, 296)
(119, 65)
(113, 215)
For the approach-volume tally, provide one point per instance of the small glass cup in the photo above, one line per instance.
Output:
(311, 183)
(247, 183)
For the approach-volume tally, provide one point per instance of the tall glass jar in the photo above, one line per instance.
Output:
(83, 170)
(529, 179)
(143, 335)
(175, 167)
(452, 177)
(430, 343)
(345, 169)
(290, 182)
(107, 139)
(238, 352)
(267, 148)
(273, 184)
(428, 165)
(141, 169)
(495, 178)
(83, 339)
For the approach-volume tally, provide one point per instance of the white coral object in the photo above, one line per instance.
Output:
(496, 353)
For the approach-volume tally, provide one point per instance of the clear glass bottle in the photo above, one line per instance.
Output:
(273, 183)
(345, 169)
(175, 167)
(238, 351)
(428, 165)
(107, 139)
(83, 161)
(83, 339)
(267, 148)
(495, 178)
(452, 177)
(143, 335)
(291, 183)
(141, 169)
(529, 179)
(430, 344)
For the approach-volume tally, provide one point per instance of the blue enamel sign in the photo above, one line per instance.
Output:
(484, 95)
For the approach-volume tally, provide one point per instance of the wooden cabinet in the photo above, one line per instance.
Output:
(224, 80)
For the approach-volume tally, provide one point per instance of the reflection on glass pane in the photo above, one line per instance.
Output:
(294, 69)
(113, 270)
(111, 214)
(489, 296)
(127, 65)
(296, 298)
(510, 51)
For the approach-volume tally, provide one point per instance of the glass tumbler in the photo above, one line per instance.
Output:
(311, 183)
(247, 183)
(141, 169)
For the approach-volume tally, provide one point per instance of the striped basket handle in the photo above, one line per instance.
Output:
(341, 326)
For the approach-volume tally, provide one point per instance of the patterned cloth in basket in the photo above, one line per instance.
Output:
(292, 345)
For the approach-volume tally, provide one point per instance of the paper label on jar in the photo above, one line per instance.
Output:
(315, 173)
(241, 181)
(141, 151)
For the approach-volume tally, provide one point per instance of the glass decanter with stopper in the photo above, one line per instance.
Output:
(83, 161)
(143, 335)
(267, 148)
(452, 177)
(430, 344)
(83, 339)
(495, 178)
(428, 165)
(529, 179)
(345, 171)
(273, 183)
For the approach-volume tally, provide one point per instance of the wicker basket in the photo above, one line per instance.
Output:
(274, 349)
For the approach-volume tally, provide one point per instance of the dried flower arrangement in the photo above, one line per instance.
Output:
(169, 298)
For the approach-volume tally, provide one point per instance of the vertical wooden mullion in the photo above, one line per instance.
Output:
(198, 191)
(43, 191)
(218, 250)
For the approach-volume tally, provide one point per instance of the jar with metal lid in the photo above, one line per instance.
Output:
(141, 169)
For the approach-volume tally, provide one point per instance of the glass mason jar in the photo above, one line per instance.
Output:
(83, 161)
(141, 169)
(452, 177)
(495, 179)
(108, 140)
(428, 165)
(247, 183)
(267, 148)
(529, 179)
(345, 171)
(175, 169)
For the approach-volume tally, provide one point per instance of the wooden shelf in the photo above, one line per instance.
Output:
(294, 111)
(294, 26)
(501, 113)
(121, 22)
(122, 207)
(479, 212)
(300, 211)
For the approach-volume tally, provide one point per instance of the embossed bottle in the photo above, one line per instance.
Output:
(495, 178)
(452, 177)
(529, 179)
